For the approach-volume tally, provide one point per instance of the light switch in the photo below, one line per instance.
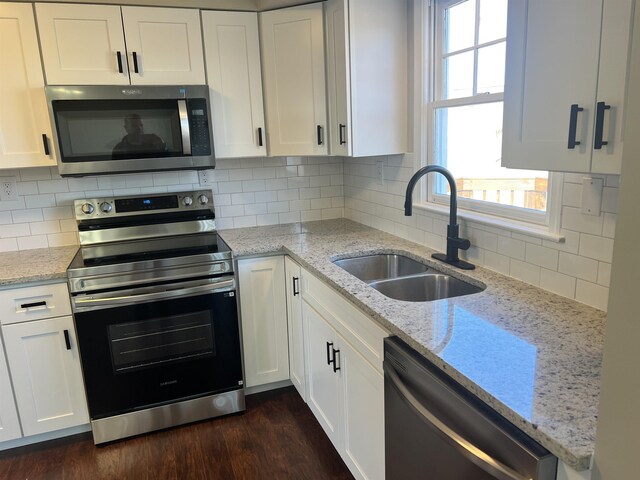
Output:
(591, 195)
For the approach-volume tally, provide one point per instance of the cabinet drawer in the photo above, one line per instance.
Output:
(363, 333)
(34, 303)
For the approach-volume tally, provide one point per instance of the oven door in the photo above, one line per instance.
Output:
(154, 345)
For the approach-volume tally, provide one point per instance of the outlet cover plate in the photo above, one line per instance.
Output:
(8, 189)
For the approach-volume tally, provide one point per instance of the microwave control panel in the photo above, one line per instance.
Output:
(199, 126)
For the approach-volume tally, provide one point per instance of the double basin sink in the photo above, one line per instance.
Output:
(403, 278)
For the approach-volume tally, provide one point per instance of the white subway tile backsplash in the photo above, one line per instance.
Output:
(15, 230)
(310, 215)
(230, 187)
(241, 174)
(577, 266)
(559, 283)
(604, 274)
(107, 182)
(57, 213)
(525, 271)
(610, 199)
(243, 198)
(43, 228)
(542, 256)
(39, 201)
(27, 215)
(275, 184)
(34, 174)
(34, 241)
(511, 247)
(574, 219)
(496, 262)
(599, 248)
(270, 219)
(9, 244)
(232, 211)
(255, 209)
(253, 185)
(263, 197)
(27, 188)
(246, 221)
(278, 207)
(595, 295)
(6, 218)
(139, 180)
(62, 239)
(292, 194)
(289, 217)
(609, 225)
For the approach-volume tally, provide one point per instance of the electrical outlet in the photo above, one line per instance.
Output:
(380, 173)
(8, 189)
(206, 177)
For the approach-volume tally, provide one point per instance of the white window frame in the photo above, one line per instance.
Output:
(427, 51)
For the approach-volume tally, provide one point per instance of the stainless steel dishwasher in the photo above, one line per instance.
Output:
(437, 430)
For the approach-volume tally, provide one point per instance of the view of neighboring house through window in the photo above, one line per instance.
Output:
(465, 113)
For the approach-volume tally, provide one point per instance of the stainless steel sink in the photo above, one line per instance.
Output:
(403, 278)
(380, 267)
(424, 288)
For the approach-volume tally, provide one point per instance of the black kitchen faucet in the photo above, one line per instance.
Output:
(454, 242)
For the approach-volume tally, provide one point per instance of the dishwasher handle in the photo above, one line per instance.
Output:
(467, 449)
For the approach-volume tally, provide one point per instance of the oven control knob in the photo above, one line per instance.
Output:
(187, 201)
(105, 207)
(203, 199)
(87, 209)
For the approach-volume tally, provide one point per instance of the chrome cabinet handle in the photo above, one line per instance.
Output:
(467, 449)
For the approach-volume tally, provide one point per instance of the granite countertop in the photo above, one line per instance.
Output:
(35, 265)
(534, 356)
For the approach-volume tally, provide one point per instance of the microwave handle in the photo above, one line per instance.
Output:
(184, 126)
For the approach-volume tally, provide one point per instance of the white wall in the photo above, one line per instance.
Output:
(247, 192)
(579, 268)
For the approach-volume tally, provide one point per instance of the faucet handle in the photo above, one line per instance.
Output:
(460, 243)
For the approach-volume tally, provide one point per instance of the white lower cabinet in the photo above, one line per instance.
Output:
(263, 311)
(344, 377)
(45, 368)
(43, 363)
(293, 274)
(9, 422)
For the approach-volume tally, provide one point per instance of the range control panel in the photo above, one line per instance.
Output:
(143, 204)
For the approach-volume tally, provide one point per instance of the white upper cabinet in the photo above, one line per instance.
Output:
(164, 46)
(565, 84)
(85, 45)
(367, 76)
(232, 53)
(292, 41)
(25, 132)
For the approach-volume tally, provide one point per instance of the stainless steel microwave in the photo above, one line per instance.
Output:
(115, 129)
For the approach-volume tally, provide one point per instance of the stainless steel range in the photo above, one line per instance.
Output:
(154, 304)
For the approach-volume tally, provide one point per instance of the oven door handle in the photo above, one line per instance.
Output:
(147, 297)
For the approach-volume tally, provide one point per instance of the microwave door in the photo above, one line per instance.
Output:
(184, 126)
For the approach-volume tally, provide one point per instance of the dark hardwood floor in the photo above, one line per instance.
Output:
(276, 438)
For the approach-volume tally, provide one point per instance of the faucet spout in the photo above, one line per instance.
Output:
(454, 242)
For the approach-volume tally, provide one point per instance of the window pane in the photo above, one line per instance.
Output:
(468, 141)
(493, 20)
(458, 71)
(460, 26)
(491, 68)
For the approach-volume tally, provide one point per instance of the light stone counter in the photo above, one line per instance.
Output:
(35, 265)
(534, 356)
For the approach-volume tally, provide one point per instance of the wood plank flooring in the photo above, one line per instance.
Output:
(276, 438)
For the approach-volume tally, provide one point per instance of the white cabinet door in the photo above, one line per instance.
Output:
(367, 76)
(563, 58)
(338, 81)
(46, 374)
(81, 44)
(164, 46)
(9, 422)
(617, 27)
(296, 331)
(24, 121)
(324, 385)
(264, 320)
(363, 397)
(292, 41)
(232, 53)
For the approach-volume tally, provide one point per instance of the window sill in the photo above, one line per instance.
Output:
(493, 221)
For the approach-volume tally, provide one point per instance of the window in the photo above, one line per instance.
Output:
(464, 115)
